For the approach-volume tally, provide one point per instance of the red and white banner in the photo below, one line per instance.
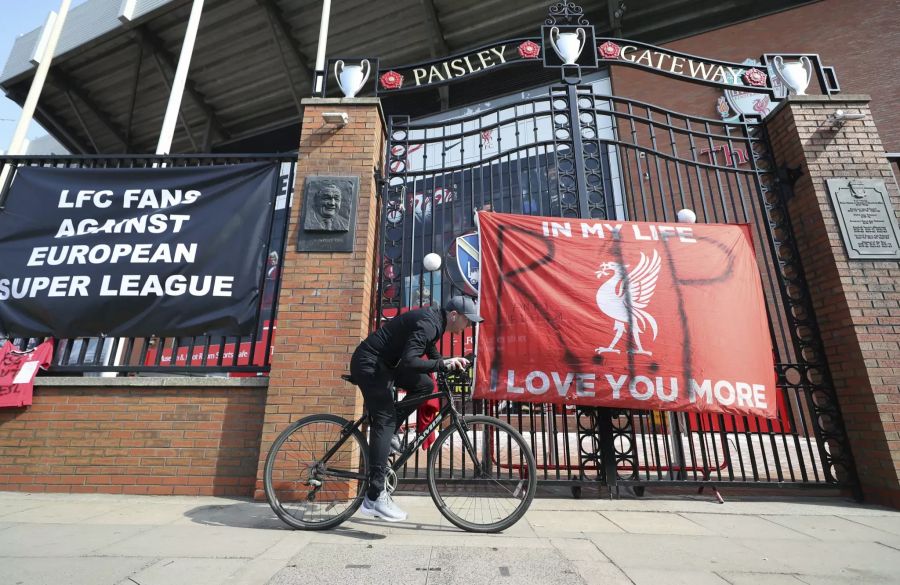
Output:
(17, 372)
(637, 315)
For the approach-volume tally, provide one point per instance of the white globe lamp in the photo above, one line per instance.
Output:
(686, 216)
(431, 262)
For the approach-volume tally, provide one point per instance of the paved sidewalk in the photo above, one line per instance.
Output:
(126, 540)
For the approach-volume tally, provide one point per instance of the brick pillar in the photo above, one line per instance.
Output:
(325, 299)
(857, 303)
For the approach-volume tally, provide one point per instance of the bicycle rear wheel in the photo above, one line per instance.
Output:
(483, 481)
(307, 492)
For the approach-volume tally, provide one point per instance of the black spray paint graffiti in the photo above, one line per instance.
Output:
(510, 278)
(727, 273)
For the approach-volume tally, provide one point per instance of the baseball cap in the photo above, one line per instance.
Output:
(464, 305)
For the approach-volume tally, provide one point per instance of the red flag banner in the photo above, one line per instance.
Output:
(650, 316)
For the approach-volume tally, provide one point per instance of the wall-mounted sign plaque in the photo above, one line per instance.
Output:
(866, 218)
(329, 214)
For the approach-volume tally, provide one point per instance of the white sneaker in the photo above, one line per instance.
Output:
(383, 507)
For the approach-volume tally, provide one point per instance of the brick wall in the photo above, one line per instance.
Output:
(857, 303)
(325, 299)
(858, 38)
(148, 439)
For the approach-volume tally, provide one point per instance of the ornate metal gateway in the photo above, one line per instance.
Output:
(576, 150)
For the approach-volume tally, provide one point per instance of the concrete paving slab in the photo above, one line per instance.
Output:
(182, 571)
(449, 538)
(889, 523)
(196, 541)
(759, 578)
(563, 522)
(655, 523)
(357, 532)
(579, 549)
(69, 571)
(238, 542)
(597, 573)
(845, 580)
(145, 514)
(7, 507)
(58, 513)
(744, 525)
(254, 572)
(261, 569)
(466, 566)
(234, 514)
(522, 529)
(866, 560)
(890, 541)
(831, 528)
(419, 517)
(687, 553)
(810, 506)
(357, 564)
(288, 546)
(427, 519)
(673, 577)
(62, 540)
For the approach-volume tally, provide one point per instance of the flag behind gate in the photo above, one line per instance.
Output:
(623, 314)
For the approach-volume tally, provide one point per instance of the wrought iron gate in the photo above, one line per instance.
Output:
(575, 151)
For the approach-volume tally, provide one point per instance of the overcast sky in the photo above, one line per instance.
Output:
(20, 17)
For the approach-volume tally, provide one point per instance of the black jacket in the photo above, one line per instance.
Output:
(401, 342)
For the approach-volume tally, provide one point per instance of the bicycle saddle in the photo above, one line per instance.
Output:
(348, 378)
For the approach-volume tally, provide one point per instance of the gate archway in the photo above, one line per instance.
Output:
(576, 150)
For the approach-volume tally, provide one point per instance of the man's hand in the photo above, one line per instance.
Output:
(457, 363)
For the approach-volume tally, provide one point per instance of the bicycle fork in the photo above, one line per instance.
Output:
(482, 465)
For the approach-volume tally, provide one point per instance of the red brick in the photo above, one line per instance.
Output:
(109, 448)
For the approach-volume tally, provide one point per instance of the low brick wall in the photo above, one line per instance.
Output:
(189, 436)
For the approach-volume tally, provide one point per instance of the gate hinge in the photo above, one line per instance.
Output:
(380, 180)
(787, 177)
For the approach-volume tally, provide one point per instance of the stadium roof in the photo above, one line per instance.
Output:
(109, 82)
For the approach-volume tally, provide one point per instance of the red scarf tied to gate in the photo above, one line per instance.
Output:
(651, 316)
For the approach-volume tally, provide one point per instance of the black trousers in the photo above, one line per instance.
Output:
(374, 379)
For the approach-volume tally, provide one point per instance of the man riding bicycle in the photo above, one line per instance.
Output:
(394, 353)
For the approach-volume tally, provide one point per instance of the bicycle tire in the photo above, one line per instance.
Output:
(272, 492)
(527, 473)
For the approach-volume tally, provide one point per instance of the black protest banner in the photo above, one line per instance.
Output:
(135, 252)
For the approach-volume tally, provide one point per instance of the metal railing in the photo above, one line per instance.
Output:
(577, 152)
(247, 355)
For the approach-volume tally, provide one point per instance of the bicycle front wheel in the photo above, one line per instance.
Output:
(482, 480)
(308, 491)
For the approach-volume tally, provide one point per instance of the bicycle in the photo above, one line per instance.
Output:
(481, 473)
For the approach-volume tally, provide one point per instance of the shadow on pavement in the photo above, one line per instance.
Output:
(260, 516)
(406, 525)
(237, 515)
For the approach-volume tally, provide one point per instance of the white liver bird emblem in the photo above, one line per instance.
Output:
(624, 298)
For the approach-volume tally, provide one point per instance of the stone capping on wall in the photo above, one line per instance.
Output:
(819, 98)
(358, 101)
(152, 381)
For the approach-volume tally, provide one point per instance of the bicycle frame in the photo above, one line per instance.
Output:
(446, 410)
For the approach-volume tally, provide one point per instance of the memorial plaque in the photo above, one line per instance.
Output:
(328, 222)
(866, 218)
